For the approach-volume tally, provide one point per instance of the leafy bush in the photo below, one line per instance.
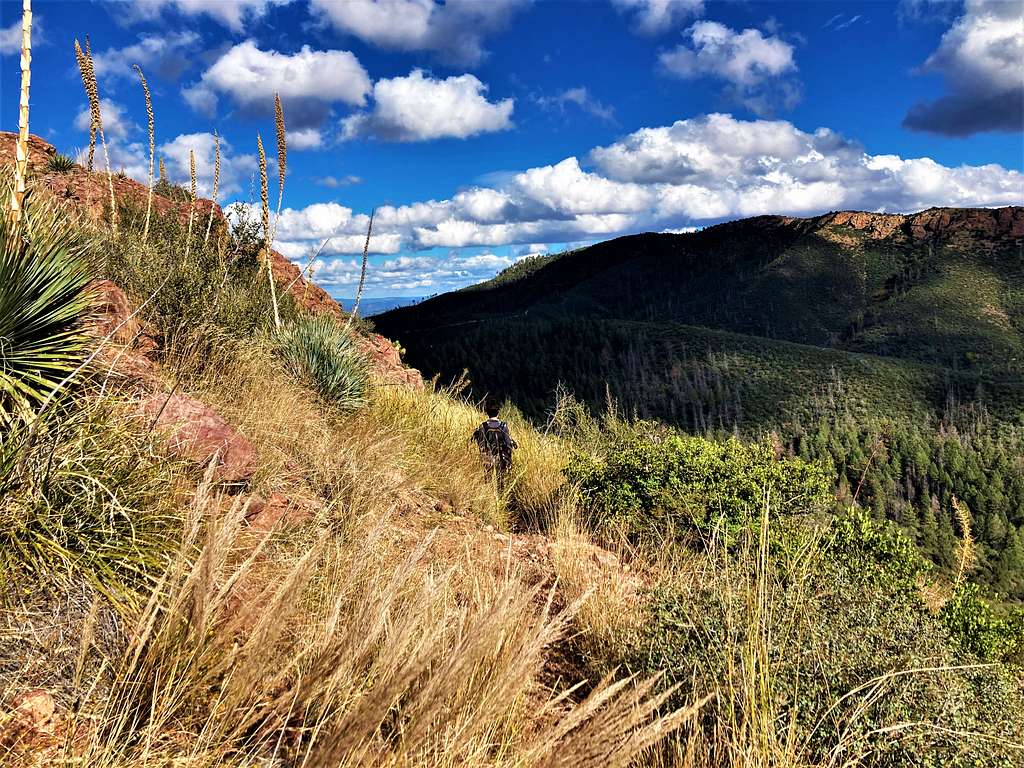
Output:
(650, 480)
(976, 627)
(43, 278)
(319, 351)
(58, 163)
(175, 192)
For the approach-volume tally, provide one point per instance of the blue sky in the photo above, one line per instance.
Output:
(484, 130)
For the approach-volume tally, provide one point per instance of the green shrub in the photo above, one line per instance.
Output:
(175, 192)
(195, 293)
(650, 480)
(879, 553)
(976, 627)
(43, 278)
(58, 163)
(320, 352)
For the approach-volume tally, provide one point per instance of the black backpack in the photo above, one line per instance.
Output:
(496, 443)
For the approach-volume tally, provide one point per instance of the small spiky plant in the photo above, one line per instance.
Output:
(362, 272)
(265, 220)
(152, 147)
(43, 278)
(216, 183)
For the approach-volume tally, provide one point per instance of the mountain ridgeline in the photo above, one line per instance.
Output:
(890, 345)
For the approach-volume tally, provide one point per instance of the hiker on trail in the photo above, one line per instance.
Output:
(495, 442)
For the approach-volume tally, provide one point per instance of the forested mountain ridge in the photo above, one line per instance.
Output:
(890, 346)
(944, 286)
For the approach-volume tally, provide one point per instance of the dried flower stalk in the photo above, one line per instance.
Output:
(216, 183)
(265, 218)
(152, 147)
(21, 148)
(362, 272)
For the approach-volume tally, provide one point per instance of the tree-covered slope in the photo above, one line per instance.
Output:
(943, 287)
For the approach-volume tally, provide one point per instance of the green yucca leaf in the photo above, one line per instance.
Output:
(58, 163)
(320, 352)
(43, 279)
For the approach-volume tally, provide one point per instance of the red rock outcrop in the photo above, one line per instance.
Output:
(198, 433)
(89, 194)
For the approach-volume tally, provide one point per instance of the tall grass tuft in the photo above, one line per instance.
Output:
(152, 147)
(21, 147)
(320, 352)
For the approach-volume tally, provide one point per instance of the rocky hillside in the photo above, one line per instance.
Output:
(87, 195)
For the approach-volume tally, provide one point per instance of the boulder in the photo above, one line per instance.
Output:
(198, 433)
(32, 715)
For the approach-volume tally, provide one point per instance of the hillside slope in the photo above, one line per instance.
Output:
(944, 288)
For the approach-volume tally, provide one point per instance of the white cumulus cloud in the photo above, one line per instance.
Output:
(308, 81)
(653, 16)
(674, 177)
(750, 62)
(420, 108)
(233, 14)
(455, 28)
(169, 54)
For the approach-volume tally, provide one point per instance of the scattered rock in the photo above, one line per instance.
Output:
(31, 717)
(129, 345)
(198, 433)
(278, 511)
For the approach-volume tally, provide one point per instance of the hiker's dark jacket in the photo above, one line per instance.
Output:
(495, 443)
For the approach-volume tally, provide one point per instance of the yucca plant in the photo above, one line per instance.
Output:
(59, 163)
(43, 278)
(320, 352)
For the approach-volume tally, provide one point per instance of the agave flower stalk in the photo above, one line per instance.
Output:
(96, 115)
(362, 271)
(192, 208)
(216, 183)
(21, 149)
(152, 147)
(83, 67)
(265, 220)
(282, 158)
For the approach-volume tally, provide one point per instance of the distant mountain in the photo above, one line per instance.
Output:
(744, 323)
(375, 306)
